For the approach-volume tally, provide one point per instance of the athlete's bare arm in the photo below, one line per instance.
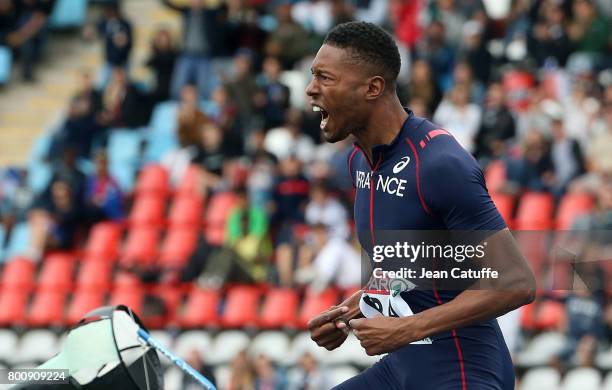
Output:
(515, 288)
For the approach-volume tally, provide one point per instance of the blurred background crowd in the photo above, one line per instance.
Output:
(191, 181)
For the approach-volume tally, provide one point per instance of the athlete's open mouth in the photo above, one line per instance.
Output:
(324, 116)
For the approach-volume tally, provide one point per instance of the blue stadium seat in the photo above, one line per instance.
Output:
(19, 241)
(41, 146)
(39, 175)
(6, 60)
(124, 156)
(2, 237)
(163, 119)
(68, 14)
(158, 145)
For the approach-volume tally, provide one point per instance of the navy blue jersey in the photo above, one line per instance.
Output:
(424, 180)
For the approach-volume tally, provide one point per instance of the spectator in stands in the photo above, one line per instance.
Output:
(584, 325)
(82, 127)
(194, 359)
(8, 20)
(190, 117)
(423, 86)
(243, 19)
(205, 36)
(323, 208)
(440, 55)
(534, 170)
(328, 260)
(116, 31)
(211, 154)
(548, 38)
(267, 376)
(27, 34)
(273, 98)
(103, 196)
(476, 52)
(567, 157)
(242, 375)
(226, 117)
(289, 41)
(459, 116)
(263, 168)
(497, 128)
(580, 110)
(123, 105)
(463, 75)
(589, 31)
(309, 375)
(15, 197)
(242, 86)
(161, 61)
(289, 140)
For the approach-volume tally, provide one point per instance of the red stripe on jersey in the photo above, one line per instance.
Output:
(418, 176)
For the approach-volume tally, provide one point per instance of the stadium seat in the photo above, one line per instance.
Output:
(315, 303)
(572, 206)
(541, 378)
(219, 208)
(178, 245)
(13, 303)
(241, 307)
(103, 241)
(223, 376)
(186, 211)
(505, 206)
(94, 275)
(535, 211)
(153, 179)
(226, 346)
(163, 118)
(18, 273)
(83, 301)
(171, 296)
(39, 175)
(603, 360)
(190, 182)
(279, 309)
(201, 308)
(273, 344)
(148, 210)
(173, 378)
(541, 349)
(550, 315)
(140, 246)
(47, 308)
(127, 281)
(19, 241)
(349, 352)
(8, 344)
(124, 156)
(193, 339)
(340, 374)
(582, 378)
(301, 344)
(607, 383)
(68, 14)
(57, 272)
(6, 62)
(2, 238)
(36, 346)
(495, 176)
(130, 297)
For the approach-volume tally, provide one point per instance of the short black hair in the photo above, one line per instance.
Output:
(369, 43)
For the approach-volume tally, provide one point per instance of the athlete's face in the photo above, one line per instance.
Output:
(338, 89)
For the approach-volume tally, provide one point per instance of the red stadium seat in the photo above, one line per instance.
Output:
(103, 241)
(94, 275)
(152, 179)
(219, 208)
(148, 210)
(550, 315)
(241, 307)
(190, 182)
(13, 304)
(495, 176)
(178, 245)
(201, 309)
(140, 246)
(186, 211)
(571, 207)
(56, 273)
(279, 309)
(47, 308)
(315, 304)
(130, 297)
(505, 206)
(83, 301)
(18, 273)
(535, 211)
(171, 297)
(126, 281)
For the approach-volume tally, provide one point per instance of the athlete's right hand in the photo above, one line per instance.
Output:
(325, 329)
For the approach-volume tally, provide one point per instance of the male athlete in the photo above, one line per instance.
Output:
(411, 175)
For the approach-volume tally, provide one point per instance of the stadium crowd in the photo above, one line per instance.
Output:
(529, 95)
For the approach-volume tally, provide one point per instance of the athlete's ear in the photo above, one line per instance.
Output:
(376, 87)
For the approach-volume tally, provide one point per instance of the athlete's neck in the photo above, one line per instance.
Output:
(384, 125)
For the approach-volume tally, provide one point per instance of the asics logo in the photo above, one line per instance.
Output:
(397, 168)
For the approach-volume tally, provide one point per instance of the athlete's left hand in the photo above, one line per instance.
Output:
(382, 334)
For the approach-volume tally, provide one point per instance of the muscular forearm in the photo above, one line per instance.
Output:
(469, 307)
